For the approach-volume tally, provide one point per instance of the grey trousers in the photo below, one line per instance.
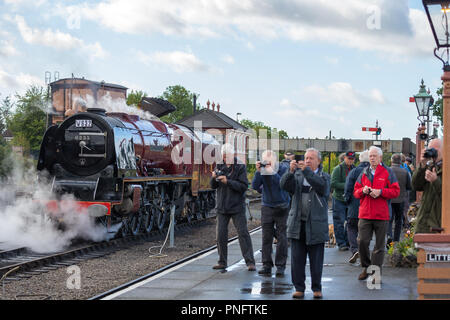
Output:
(366, 228)
(274, 219)
(245, 241)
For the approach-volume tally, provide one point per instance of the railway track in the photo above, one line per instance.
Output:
(21, 263)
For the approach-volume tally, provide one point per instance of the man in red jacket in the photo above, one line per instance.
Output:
(375, 186)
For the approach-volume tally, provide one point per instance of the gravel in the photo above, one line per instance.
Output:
(104, 273)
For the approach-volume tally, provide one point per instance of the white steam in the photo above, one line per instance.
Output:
(118, 105)
(25, 221)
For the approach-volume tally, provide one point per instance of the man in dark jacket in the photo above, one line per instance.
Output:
(353, 205)
(338, 177)
(308, 219)
(428, 178)
(230, 180)
(274, 211)
(398, 204)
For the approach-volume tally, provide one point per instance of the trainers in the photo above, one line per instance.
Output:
(354, 257)
(265, 271)
(343, 248)
(363, 275)
(219, 267)
(251, 267)
(298, 295)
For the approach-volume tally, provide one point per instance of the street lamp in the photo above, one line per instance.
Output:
(422, 100)
(438, 17)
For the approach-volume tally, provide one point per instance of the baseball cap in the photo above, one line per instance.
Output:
(289, 152)
(350, 154)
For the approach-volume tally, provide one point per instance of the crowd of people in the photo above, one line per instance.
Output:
(368, 199)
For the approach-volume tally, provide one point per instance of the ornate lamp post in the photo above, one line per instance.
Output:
(432, 264)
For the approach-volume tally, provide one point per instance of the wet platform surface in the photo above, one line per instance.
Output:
(196, 280)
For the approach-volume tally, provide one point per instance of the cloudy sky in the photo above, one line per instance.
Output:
(305, 66)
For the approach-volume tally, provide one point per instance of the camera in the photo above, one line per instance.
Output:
(263, 164)
(299, 157)
(219, 172)
(430, 153)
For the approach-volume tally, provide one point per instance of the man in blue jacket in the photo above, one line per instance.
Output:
(353, 205)
(274, 211)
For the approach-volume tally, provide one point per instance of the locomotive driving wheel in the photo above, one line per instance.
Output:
(162, 212)
(148, 218)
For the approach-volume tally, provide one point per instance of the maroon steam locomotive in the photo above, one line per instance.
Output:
(123, 169)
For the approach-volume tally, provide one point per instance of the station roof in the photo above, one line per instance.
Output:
(212, 119)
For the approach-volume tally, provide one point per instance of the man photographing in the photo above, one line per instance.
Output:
(274, 211)
(428, 178)
(307, 220)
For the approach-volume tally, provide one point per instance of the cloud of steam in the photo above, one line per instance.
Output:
(118, 105)
(24, 222)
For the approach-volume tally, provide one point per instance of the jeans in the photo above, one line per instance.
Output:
(273, 222)
(352, 234)
(245, 241)
(315, 253)
(397, 216)
(339, 220)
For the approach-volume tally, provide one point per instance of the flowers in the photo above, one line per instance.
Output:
(404, 253)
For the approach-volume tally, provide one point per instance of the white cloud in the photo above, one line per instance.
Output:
(343, 97)
(227, 58)
(10, 83)
(7, 49)
(177, 61)
(403, 31)
(57, 40)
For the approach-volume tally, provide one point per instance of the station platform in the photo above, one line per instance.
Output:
(196, 280)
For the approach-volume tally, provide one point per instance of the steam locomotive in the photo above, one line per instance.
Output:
(121, 169)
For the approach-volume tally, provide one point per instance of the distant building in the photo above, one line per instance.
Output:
(70, 95)
(222, 127)
(8, 136)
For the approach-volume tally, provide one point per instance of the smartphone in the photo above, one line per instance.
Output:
(299, 157)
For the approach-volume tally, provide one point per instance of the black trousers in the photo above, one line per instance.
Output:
(315, 253)
(274, 223)
(245, 241)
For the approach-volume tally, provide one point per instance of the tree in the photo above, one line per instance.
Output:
(6, 164)
(28, 121)
(438, 107)
(135, 97)
(5, 113)
(182, 99)
(258, 125)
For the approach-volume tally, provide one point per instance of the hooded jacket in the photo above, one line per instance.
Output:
(384, 179)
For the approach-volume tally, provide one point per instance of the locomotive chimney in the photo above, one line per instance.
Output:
(208, 103)
(99, 111)
(213, 106)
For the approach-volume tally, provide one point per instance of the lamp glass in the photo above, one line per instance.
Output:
(438, 13)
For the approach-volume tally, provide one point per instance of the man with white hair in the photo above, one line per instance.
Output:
(375, 185)
(274, 211)
(230, 180)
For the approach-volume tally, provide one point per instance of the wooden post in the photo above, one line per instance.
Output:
(446, 154)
